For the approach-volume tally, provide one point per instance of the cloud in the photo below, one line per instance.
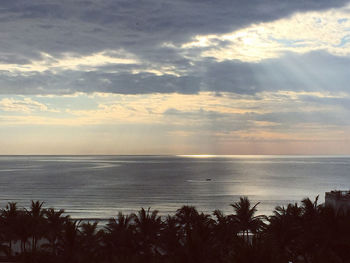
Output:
(186, 73)
(205, 108)
(209, 118)
(70, 82)
(85, 26)
(315, 71)
(300, 33)
(70, 62)
(27, 105)
(130, 47)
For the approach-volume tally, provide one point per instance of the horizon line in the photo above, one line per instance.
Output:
(186, 155)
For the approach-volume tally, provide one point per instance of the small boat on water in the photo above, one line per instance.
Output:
(208, 179)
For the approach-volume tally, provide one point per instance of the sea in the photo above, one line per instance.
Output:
(98, 187)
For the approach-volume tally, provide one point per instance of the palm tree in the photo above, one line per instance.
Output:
(244, 217)
(225, 234)
(171, 239)
(90, 241)
(9, 217)
(23, 229)
(325, 233)
(283, 232)
(36, 214)
(310, 209)
(69, 245)
(310, 234)
(200, 244)
(119, 241)
(333, 235)
(54, 228)
(148, 225)
(187, 217)
(196, 233)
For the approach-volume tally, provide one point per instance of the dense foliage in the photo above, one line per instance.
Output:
(308, 232)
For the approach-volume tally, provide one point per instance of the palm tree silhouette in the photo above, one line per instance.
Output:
(225, 234)
(332, 232)
(244, 217)
(200, 244)
(171, 239)
(282, 232)
(196, 233)
(187, 216)
(148, 225)
(9, 217)
(118, 241)
(69, 245)
(306, 233)
(90, 241)
(54, 228)
(36, 214)
(23, 229)
(310, 209)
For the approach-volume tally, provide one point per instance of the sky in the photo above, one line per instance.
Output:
(174, 77)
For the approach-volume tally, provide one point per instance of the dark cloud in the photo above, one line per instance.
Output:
(87, 26)
(29, 28)
(135, 83)
(70, 82)
(317, 71)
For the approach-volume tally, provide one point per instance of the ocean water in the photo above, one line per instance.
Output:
(94, 187)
